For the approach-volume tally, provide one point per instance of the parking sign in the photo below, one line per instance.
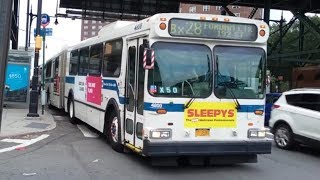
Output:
(45, 20)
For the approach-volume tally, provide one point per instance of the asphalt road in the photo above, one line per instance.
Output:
(68, 154)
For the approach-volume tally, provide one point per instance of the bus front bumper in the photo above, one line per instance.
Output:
(205, 148)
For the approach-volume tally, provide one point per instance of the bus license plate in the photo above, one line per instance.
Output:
(202, 132)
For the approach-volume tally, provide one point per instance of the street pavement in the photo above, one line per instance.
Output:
(66, 153)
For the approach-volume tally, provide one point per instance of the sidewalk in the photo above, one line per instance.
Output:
(15, 122)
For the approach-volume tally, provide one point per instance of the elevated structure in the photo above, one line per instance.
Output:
(138, 9)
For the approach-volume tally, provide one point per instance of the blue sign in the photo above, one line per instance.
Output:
(48, 32)
(17, 77)
(45, 20)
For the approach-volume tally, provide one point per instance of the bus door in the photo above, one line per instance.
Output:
(134, 93)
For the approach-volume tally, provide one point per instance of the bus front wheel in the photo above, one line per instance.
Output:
(114, 132)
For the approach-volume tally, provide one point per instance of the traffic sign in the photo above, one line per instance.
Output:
(45, 20)
(48, 32)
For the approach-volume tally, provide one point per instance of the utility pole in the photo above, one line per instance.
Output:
(27, 27)
(42, 77)
(5, 26)
(33, 106)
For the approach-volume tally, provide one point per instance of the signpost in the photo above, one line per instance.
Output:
(45, 20)
(43, 31)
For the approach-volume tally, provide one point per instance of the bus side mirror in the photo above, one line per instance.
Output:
(148, 58)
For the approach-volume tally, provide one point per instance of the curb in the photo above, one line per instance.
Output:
(52, 126)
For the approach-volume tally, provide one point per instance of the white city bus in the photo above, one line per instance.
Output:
(173, 85)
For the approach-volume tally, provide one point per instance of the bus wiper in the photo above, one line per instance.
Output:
(189, 102)
(238, 106)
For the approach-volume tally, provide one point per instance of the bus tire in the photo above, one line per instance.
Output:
(71, 112)
(114, 132)
(48, 101)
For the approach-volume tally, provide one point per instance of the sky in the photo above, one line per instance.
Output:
(68, 31)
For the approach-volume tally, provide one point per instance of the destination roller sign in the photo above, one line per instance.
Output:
(213, 29)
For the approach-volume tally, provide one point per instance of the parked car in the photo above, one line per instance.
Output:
(295, 118)
(271, 98)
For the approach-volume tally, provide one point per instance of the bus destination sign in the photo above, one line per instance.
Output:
(213, 29)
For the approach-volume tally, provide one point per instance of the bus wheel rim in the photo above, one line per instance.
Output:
(71, 110)
(114, 129)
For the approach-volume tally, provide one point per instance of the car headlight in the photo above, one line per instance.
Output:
(256, 133)
(160, 133)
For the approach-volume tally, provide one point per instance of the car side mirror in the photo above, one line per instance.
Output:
(148, 58)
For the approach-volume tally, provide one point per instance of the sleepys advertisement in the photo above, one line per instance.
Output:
(210, 115)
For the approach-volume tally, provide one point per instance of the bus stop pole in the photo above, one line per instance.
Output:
(5, 24)
(42, 73)
(34, 99)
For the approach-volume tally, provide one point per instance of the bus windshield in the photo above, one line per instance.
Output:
(240, 70)
(181, 70)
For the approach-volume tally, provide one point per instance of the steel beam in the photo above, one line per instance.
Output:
(290, 54)
(308, 23)
(253, 12)
(285, 30)
(267, 7)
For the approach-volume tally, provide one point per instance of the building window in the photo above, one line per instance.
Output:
(85, 33)
(206, 8)
(93, 27)
(85, 27)
(93, 33)
(237, 14)
(85, 21)
(100, 27)
(235, 7)
(192, 9)
(93, 21)
(218, 8)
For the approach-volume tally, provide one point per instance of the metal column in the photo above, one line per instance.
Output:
(267, 7)
(5, 22)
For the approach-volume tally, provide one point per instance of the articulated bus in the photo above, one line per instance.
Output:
(174, 85)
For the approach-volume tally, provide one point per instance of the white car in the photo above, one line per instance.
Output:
(295, 118)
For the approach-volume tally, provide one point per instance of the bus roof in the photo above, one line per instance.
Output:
(119, 29)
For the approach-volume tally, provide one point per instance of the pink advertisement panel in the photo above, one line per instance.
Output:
(94, 86)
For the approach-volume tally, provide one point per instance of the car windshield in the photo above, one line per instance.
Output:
(240, 70)
(181, 70)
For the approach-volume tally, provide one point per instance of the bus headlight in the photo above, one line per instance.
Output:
(256, 133)
(160, 133)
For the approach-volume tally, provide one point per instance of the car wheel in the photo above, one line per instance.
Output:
(283, 137)
(114, 132)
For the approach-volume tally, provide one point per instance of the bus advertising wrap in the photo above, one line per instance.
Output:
(210, 115)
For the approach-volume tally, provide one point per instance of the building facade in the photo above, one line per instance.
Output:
(90, 28)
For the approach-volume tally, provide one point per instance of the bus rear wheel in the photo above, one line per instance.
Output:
(114, 132)
(71, 112)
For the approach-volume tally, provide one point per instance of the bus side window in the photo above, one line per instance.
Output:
(95, 59)
(56, 67)
(112, 58)
(84, 61)
(48, 69)
(74, 59)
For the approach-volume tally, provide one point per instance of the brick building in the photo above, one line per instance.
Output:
(90, 28)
